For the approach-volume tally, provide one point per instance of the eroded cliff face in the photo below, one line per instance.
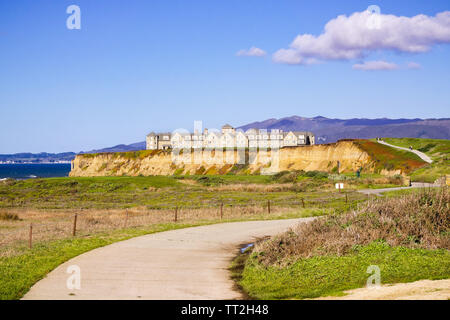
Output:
(159, 162)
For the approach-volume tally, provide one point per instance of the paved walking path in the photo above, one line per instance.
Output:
(378, 192)
(422, 155)
(187, 263)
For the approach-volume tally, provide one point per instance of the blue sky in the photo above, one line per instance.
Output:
(141, 66)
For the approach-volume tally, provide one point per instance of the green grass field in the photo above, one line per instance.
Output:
(159, 192)
(331, 275)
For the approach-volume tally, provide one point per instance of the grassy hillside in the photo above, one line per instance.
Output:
(390, 158)
(437, 150)
(407, 238)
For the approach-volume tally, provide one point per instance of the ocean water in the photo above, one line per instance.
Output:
(31, 171)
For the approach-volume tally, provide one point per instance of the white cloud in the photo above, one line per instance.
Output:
(414, 65)
(252, 52)
(356, 36)
(375, 65)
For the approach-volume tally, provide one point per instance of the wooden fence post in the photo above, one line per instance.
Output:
(176, 214)
(303, 202)
(31, 236)
(268, 206)
(221, 210)
(75, 225)
(346, 197)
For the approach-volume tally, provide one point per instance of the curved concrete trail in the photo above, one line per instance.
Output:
(188, 263)
(422, 155)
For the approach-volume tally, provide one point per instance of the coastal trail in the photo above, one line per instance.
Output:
(422, 155)
(414, 185)
(189, 264)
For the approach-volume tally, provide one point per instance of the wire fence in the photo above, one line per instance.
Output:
(28, 228)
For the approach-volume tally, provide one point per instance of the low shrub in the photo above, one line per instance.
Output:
(7, 216)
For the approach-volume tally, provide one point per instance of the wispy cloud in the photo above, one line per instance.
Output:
(356, 36)
(252, 52)
(375, 65)
(414, 65)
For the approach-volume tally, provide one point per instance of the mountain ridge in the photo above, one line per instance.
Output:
(331, 130)
(327, 130)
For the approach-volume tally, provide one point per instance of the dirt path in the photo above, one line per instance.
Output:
(188, 263)
(419, 290)
(422, 155)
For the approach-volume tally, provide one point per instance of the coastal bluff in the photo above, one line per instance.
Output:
(345, 156)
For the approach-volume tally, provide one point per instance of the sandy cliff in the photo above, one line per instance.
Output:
(158, 162)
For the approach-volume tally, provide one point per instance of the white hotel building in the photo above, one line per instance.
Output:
(229, 137)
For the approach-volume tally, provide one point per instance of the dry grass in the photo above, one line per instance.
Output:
(56, 224)
(8, 216)
(420, 220)
(253, 187)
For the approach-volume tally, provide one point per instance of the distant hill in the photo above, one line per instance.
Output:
(330, 130)
(121, 148)
(37, 157)
(66, 156)
(326, 131)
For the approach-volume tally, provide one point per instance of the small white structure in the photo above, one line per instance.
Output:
(339, 186)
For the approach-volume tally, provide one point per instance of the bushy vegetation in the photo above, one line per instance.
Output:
(407, 237)
(420, 220)
(8, 216)
(298, 175)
